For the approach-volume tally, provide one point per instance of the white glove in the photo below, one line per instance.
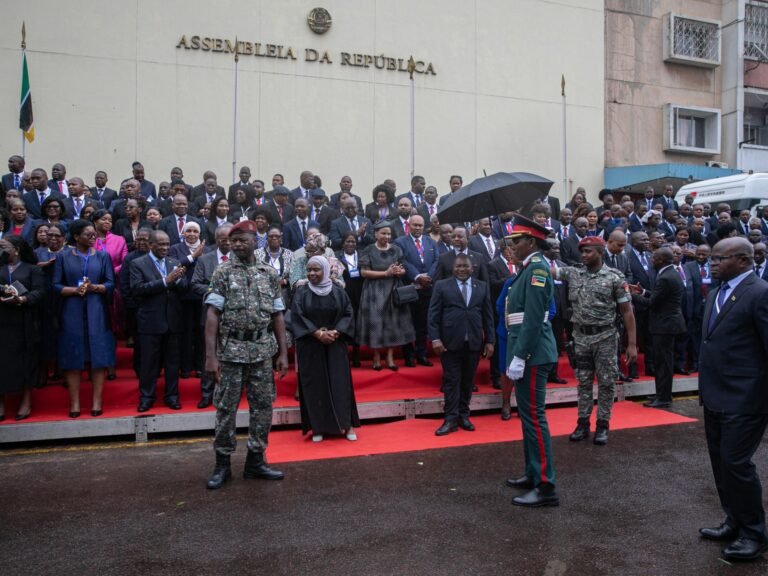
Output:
(516, 368)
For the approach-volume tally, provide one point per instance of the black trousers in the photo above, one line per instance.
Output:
(191, 347)
(419, 310)
(732, 440)
(458, 372)
(157, 348)
(644, 342)
(663, 362)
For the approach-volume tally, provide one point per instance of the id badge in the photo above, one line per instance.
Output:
(706, 280)
(354, 273)
(82, 281)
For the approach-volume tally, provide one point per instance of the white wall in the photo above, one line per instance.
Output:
(109, 86)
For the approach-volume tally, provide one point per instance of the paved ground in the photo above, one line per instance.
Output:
(631, 508)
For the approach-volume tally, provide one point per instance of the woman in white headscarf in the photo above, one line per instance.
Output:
(323, 323)
(191, 345)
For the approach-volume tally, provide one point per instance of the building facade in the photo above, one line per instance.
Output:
(115, 81)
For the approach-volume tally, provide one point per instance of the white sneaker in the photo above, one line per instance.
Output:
(351, 436)
(317, 438)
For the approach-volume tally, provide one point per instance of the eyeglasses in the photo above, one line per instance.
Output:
(716, 259)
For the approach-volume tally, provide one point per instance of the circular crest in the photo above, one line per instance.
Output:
(319, 20)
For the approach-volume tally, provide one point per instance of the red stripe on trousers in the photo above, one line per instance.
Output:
(537, 427)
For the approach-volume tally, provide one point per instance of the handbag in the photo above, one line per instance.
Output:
(404, 294)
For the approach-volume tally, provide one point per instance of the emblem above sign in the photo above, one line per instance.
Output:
(319, 20)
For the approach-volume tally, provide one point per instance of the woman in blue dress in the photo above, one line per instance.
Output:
(46, 258)
(84, 279)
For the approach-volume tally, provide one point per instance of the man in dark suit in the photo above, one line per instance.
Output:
(667, 225)
(100, 192)
(483, 242)
(761, 268)
(345, 185)
(702, 283)
(146, 187)
(321, 212)
(665, 322)
(404, 208)
(173, 224)
(243, 184)
(648, 199)
(58, 181)
(682, 341)
(461, 328)
(733, 387)
(12, 180)
(419, 258)
(201, 189)
(306, 183)
(668, 201)
(295, 231)
(502, 226)
(77, 201)
(569, 248)
(499, 269)
(350, 221)
(212, 192)
(416, 193)
(561, 325)
(429, 207)
(554, 206)
(157, 282)
(459, 241)
(33, 200)
(444, 245)
(642, 271)
(201, 279)
(280, 208)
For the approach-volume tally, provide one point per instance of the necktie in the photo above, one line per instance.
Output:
(224, 257)
(406, 227)
(464, 293)
(259, 201)
(303, 229)
(419, 248)
(757, 269)
(431, 209)
(61, 186)
(181, 224)
(553, 269)
(644, 261)
(353, 224)
(681, 272)
(511, 268)
(99, 192)
(489, 246)
(16, 181)
(718, 304)
(78, 206)
(704, 287)
(509, 227)
(280, 212)
(565, 232)
(161, 267)
(42, 197)
(417, 198)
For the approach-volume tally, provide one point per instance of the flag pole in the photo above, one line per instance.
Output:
(23, 58)
(411, 68)
(565, 142)
(234, 126)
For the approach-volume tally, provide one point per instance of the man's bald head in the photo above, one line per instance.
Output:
(731, 257)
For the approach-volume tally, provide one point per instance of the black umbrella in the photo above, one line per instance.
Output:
(492, 195)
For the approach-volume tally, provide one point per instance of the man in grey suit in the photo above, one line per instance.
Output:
(201, 279)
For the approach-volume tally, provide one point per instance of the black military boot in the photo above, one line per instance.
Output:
(581, 432)
(221, 473)
(256, 467)
(601, 433)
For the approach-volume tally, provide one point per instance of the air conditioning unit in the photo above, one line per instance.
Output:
(715, 164)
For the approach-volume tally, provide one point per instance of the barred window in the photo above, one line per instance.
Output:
(756, 31)
(692, 41)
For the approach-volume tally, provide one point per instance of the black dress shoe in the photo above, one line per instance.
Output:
(111, 376)
(74, 414)
(657, 404)
(198, 374)
(20, 416)
(410, 363)
(185, 375)
(393, 367)
(722, 533)
(683, 372)
(424, 361)
(144, 406)
(506, 413)
(745, 549)
(466, 424)
(523, 482)
(96, 413)
(175, 405)
(536, 499)
(556, 380)
(624, 378)
(376, 367)
(204, 403)
(446, 428)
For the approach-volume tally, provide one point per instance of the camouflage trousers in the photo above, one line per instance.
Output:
(596, 358)
(259, 384)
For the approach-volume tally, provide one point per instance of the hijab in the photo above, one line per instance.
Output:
(187, 226)
(322, 288)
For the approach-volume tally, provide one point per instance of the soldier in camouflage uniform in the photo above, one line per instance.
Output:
(244, 329)
(594, 292)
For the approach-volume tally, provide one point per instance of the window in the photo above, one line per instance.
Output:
(692, 41)
(691, 129)
(756, 31)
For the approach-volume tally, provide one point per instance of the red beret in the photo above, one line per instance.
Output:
(591, 241)
(247, 226)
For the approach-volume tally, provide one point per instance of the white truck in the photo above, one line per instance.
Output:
(741, 192)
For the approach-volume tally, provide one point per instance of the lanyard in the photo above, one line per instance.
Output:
(161, 267)
(351, 260)
(86, 258)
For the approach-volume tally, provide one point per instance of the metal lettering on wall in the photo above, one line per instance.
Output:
(280, 52)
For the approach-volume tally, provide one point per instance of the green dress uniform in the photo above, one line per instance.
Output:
(529, 336)
(595, 297)
(247, 296)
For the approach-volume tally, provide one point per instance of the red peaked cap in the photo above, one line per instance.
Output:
(522, 226)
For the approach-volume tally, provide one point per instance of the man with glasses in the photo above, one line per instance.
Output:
(733, 387)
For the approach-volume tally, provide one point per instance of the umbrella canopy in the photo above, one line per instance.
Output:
(494, 194)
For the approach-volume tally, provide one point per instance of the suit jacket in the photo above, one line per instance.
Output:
(27, 231)
(444, 266)
(201, 190)
(296, 194)
(499, 229)
(199, 202)
(293, 239)
(69, 203)
(107, 197)
(411, 259)
(569, 250)
(397, 227)
(423, 211)
(477, 243)
(170, 226)
(333, 202)
(454, 322)
(159, 306)
(287, 213)
(32, 202)
(183, 254)
(201, 277)
(733, 362)
(372, 213)
(54, 185)
(639, 275)
(340, 226)
(634, 223)
(554, 206)
(324, 217)
(442, 248)
(619, 262)
(147, 189)
(764, 272)
(667, 203)
(498, 272)
(665, 303)
(699, 288)
(666, 229)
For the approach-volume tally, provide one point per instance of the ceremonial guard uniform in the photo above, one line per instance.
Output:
(531, 352)
(594, 295)
(246, 297)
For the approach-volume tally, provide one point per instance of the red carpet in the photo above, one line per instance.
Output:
(419, 434)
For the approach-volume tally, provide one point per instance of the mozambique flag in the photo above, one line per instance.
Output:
(26, 123)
